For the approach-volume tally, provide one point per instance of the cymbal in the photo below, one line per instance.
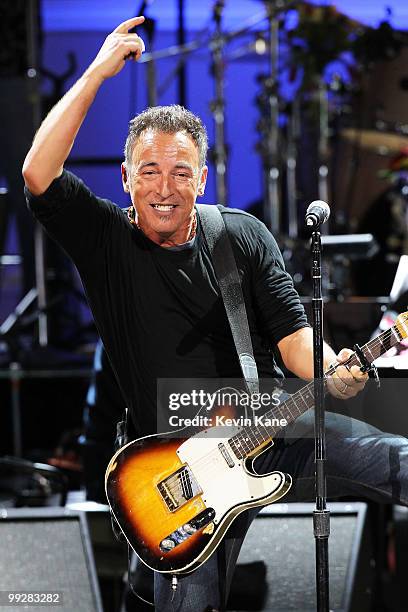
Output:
(384, 143)
(320, 13)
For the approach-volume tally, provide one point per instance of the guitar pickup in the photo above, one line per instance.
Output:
(178, 488)
(224, 452)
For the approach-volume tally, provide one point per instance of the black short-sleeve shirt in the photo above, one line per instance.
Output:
(159, 311)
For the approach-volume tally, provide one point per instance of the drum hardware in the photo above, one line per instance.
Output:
(381, 142)
(271, 162)
(149, 26)
(216, 40)
(32, 483)
(217, 106)
(339, 251)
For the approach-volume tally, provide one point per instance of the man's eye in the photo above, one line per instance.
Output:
(149, 173)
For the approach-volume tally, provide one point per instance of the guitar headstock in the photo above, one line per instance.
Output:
(402, 324)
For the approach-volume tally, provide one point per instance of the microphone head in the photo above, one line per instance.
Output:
(319, 204)
(317, 210)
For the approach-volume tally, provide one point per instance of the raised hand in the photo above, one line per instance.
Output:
(119, 46)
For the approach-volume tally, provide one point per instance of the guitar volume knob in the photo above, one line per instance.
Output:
(189, 528)
(167, 544)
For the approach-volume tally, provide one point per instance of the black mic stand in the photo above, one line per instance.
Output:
(321, 516)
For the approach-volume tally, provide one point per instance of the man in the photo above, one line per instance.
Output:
(154, 295)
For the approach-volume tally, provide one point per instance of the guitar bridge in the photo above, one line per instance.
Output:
(178, 488)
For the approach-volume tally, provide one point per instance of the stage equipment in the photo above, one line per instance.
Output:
(375, 126)
(43, 294)
(321, 516)
(353, 246)
(16, 375)
(400, 285)
(110, 555)
(32, 484)
(39, 292)
(181, 39)
(218, 105)
(215, 39)
(387, 220)
(271, 171)
(317, 213)
(288, 557)
(268, 125)
(340, 252)
(292, 143)
(379, 140)
(272, 201)
(47, 551)
(148, 26)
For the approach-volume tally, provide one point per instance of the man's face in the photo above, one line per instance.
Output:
(164, 180)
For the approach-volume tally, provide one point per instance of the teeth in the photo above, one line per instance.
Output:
(163, 208)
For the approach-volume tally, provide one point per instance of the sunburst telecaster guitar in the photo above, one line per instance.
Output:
(174, 498)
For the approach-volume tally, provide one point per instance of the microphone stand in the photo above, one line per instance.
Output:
(321, 516)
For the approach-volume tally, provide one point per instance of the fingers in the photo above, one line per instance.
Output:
(344, 355)
(131, 44)
(127, 25)
(134, 39)
(346, 381)
(133, 47)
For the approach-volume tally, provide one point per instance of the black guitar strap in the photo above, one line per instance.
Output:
(219, 245)
(225, 267)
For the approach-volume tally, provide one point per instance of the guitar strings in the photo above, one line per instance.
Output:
(375, 344)
(175, 483)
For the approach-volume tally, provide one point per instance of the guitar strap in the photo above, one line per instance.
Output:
(219, 245)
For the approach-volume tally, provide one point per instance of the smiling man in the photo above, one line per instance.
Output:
(153, 292)
(164, 173)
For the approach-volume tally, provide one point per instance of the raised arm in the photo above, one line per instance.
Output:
(56, 135)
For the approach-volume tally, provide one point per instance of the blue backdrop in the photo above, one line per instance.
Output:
(80, 26)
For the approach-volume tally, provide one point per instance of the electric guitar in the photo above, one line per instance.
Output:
(174, 498)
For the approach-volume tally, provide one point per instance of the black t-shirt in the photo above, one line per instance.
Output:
(159, 311)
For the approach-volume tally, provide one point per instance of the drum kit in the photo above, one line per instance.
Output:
(330, 97)
(342, 123)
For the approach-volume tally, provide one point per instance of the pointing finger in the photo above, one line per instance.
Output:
(127, 25)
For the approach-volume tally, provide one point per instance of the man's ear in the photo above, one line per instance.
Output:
(202, 182)
(125, 178)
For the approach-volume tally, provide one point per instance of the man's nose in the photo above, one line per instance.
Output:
(165, 185)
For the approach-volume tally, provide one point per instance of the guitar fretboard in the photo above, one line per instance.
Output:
(250, 438)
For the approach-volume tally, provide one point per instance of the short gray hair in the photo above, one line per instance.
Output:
(168, 119)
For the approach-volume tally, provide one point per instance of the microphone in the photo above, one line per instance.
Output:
(317, 213)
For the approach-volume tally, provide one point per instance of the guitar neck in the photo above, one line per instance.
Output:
(250, 438)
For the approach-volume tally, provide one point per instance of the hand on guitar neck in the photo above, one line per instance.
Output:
(175, 497)
(347, 378)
